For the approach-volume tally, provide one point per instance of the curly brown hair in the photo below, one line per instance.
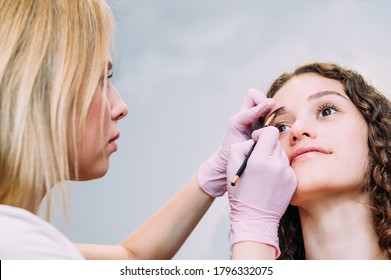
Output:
(376, 109)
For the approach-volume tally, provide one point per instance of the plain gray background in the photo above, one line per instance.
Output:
(183, 68)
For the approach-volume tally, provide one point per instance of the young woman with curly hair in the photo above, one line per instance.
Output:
(334, 128)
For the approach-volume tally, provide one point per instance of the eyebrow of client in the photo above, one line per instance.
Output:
(281, 111)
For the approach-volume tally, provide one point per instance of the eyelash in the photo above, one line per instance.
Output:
(109, 76)
(327, 106)
(318, 111)
(279, 125)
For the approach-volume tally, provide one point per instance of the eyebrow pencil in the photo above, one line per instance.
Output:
(244, 164)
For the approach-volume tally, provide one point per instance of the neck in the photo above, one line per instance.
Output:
(339, 228)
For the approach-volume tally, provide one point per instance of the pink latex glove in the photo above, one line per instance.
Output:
(263, 192)
(212, 174)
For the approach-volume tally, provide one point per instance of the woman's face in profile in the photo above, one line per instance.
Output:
(324, 136)
(98, 141)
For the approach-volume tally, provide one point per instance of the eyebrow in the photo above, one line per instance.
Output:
(278, 112)
(281, 111)
(320, 94)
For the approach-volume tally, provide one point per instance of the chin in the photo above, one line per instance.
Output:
(309, 186)
(100, 173)
(92, 174)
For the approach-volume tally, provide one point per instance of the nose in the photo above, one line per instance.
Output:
(299, 131)
(119, 109)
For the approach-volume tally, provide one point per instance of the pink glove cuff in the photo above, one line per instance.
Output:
(252, 224)
(266, 234)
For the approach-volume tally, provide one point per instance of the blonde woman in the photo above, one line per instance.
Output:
(58, 122)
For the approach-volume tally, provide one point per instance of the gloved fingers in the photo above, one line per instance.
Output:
(212, 175)
(253, 98)
(238, 153)
(267, 138)
(243, 118)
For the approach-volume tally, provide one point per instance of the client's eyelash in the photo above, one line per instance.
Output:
(327, 106)
(281, 124)
(327, 109)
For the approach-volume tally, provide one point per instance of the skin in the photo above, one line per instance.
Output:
(319, 116)
(98, 144)
(325, 138)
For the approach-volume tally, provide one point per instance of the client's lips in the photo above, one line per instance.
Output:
(306, 151)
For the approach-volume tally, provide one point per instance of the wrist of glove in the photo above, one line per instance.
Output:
(249, 223)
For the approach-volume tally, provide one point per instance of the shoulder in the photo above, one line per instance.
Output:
(27, 236)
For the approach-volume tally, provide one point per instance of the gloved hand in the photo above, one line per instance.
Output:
(212, 173)
(263, 192)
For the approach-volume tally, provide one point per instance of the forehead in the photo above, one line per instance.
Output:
(304, 85)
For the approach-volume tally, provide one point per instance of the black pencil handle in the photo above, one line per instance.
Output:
(243, 166)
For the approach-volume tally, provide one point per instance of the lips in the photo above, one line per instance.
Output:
(112, 143)
(307, 152)
(115, 137)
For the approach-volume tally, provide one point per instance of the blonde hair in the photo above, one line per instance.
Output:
(52, 57)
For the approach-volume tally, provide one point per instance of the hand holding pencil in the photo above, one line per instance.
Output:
(212, 174)
(244, 164)
(264, 190)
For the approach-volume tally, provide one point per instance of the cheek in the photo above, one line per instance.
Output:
(352, 146)
(354, 159)
(93, 158)
(93, 161)
(97, 124)
(342, 171)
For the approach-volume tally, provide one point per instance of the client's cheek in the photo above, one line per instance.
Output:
(285, 146)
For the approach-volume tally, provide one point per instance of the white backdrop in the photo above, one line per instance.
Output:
(183, 68)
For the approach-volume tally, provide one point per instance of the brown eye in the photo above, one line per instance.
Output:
(327, 110)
